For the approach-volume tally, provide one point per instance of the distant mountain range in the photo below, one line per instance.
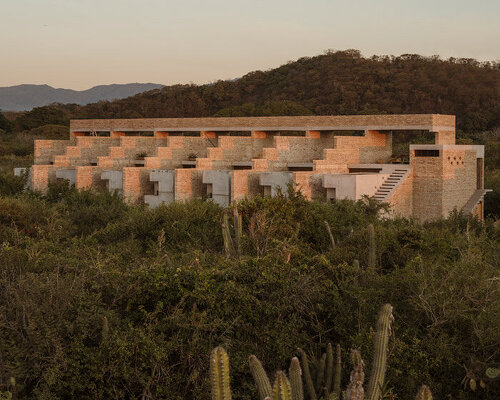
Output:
(26, 97)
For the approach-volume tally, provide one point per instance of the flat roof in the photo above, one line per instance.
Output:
(430, 122)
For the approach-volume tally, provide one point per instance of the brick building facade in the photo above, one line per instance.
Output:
(167, 159)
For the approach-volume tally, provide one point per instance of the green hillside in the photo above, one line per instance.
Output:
(340, 82)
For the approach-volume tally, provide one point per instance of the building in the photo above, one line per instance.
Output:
(167, 159)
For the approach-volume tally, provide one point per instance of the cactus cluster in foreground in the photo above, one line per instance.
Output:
(322, 377)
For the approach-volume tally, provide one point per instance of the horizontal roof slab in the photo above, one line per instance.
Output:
(431, 122)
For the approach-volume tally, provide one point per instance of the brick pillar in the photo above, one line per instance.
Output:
(258, 134)
(160, 134)
(239, 185)
(208, 134)
(116, 134)
(313, 134)
(444, 137)
(183, 187)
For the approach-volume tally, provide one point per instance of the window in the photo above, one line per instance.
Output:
(426, 153)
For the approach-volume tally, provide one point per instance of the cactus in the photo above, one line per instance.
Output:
(380, 350)
(281, 388)
(338, 373)
(355, 389)
(320, 374)
(295, 374)
(332, 240)
(232, 247)
(219, 374)
(226, 235)
(260, 378)
(238, 229)
(329, 370)
(105, 329)
(372, 250)
(424, 393)
(307, 375)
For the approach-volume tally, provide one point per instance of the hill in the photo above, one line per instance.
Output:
(26, 97)
(342, 82)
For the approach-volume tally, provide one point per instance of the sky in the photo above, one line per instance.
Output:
(78, 44)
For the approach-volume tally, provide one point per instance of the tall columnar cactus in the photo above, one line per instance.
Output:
(238, 229)
(105, 329)
(338, 373)
(380, 349)
(232, 247)
(281, 388)
(219, 374)
(329, 370)
(226, 235)
(307, 375)
(355, 389)
(372, 250)
(424, 393)
(260, 377)
(320, 373)
(330, 235)
(295, 374)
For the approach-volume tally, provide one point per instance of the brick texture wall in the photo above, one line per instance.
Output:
(432, 122)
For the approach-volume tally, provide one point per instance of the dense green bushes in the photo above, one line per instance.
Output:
(103, 300)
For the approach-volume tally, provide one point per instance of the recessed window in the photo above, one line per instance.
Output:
(426, 153)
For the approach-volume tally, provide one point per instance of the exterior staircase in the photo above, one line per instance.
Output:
(474, 200)
(397, 176)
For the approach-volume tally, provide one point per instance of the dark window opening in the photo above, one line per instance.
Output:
(426, 153)
(365, 170)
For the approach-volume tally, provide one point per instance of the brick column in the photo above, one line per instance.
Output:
(444, 137)
(313, 134)
(258, 134)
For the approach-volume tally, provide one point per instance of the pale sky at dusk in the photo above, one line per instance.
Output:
(78, 44)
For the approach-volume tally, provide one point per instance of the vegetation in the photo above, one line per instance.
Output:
(319, 386)
(341, 82)
(5, 124)
(99, 299)
(104, 300)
